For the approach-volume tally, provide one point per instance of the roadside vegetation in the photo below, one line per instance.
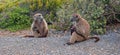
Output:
(16, 14)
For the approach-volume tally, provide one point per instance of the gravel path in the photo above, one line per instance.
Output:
(108, 45)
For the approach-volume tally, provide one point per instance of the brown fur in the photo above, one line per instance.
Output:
(81, 30)
(39, 27)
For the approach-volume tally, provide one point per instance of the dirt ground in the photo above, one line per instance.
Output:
(13, 43)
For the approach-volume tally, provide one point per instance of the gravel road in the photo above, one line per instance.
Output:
(108, 45)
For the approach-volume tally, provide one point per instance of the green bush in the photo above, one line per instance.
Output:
(15, 14)
(48, 6)
(88, 10)
(112, 11)
(16, 19)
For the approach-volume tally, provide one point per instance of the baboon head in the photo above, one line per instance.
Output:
(75, 18)
(38, 17)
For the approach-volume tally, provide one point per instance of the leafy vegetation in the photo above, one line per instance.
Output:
(88, 10)
(15, 14)
(93, 11)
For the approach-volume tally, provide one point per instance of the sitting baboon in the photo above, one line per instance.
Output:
(39, 26)
(80, 30)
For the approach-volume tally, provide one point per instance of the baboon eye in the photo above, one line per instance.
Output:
(39, 15)
(76, 16)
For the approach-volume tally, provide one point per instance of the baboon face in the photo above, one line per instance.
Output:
(75, 18)
(38, 16)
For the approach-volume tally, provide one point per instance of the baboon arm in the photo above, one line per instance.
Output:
(39, 28)
(43, 30)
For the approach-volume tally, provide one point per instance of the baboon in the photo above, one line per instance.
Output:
(39, 26)
(80, 30)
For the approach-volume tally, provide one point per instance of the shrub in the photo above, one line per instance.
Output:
(17, 18)
(46, 7)
(112, 11)
(15, 14)
(88, 10)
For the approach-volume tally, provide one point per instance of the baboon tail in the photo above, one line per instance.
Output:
(28, 36)
(97, 38)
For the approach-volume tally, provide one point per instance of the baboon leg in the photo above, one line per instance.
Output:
(36, 35)
(45, 33)
(73, 39)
